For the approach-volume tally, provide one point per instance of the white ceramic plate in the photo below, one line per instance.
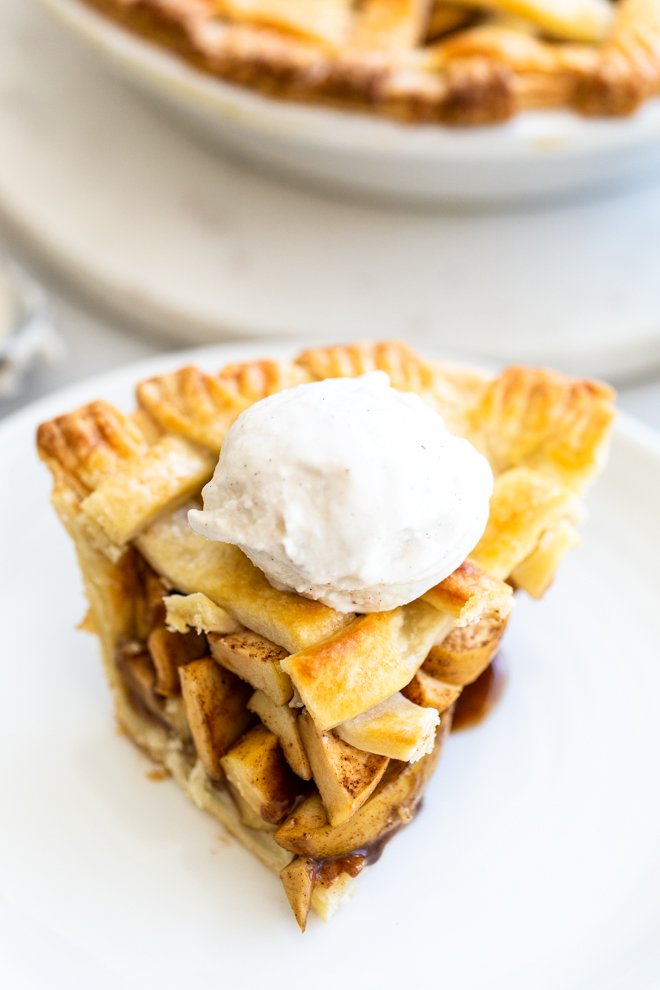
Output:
(534, 862)
(538, 154)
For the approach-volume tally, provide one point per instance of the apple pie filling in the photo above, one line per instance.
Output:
(220, 694)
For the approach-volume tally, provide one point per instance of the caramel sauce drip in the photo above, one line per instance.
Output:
(327, 870)
(478, 699)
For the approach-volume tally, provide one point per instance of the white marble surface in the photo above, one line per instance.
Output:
(157, 225)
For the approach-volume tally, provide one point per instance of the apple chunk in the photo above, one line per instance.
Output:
(139, 677)
(466, 652)
(345, 776)
(256, 660)
(249, 816)
(307, 831)
(215, 702)
(283, 721)
(256, 769)
(298, 882)
(169, 651)
(430, 692)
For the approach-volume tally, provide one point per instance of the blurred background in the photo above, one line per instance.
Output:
(145, 207)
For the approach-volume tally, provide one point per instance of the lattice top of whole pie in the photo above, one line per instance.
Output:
(129, 480)
(456, 61)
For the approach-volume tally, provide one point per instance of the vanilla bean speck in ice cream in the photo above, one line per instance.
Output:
(349, 492)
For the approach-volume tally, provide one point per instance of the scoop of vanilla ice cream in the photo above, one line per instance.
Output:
(349, 492)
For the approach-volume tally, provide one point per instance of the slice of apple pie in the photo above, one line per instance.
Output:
(292, 651)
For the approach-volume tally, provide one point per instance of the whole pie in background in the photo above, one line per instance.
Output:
(309, 733)
(459, 61)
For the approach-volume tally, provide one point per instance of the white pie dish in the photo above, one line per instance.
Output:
(535, 155)
(533, 862)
